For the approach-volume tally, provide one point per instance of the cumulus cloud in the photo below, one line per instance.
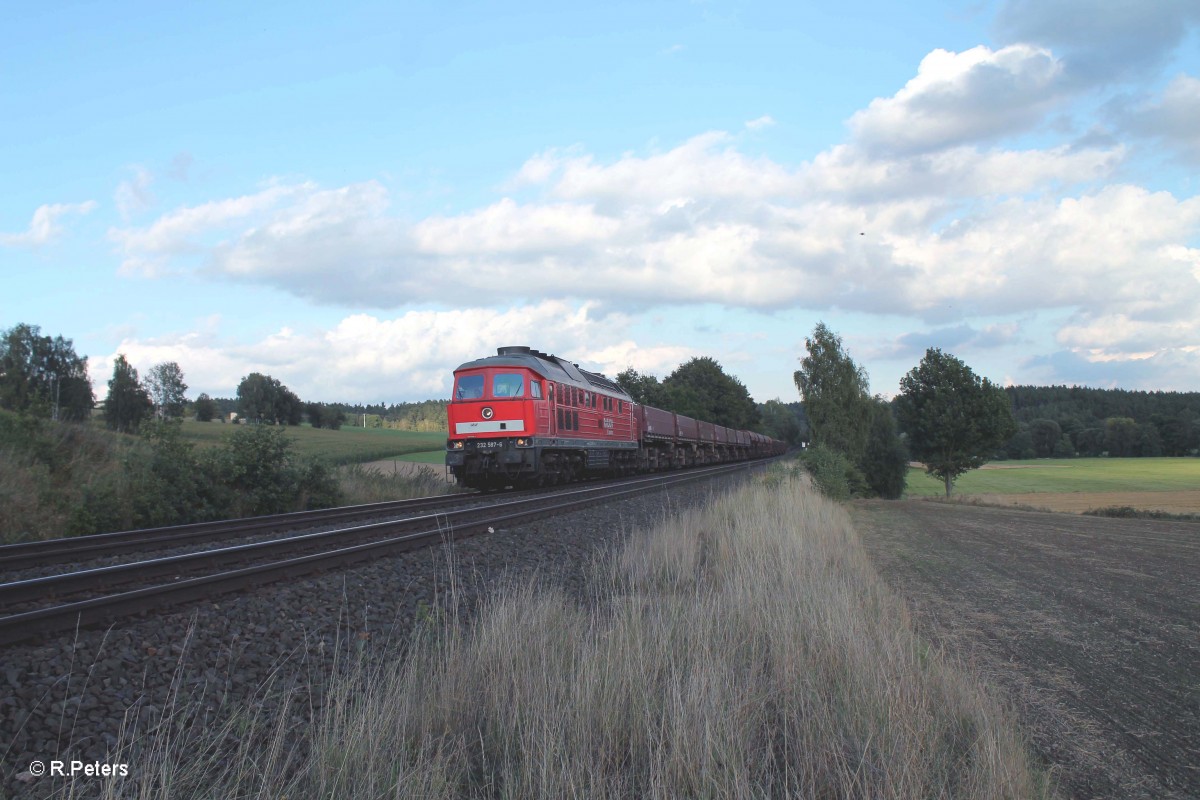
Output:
(957, 98)
(703, 223)
(188, 231)
(1101, 42)
(1117, 247)
(45, 225)
(1171, 119)
(851, 174)
(412, 354)
(925, 211)
(706, 166)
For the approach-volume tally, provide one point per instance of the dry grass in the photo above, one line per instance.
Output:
(748, 651)
(361, 484)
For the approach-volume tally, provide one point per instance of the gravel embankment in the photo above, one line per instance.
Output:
(73, 697)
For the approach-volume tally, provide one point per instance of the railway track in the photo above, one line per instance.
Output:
(51, 604)
(77, 548)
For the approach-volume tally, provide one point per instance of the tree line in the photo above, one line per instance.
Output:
(43, 376)
(1065, 421)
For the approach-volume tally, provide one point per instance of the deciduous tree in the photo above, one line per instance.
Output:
(1121, 436)
(834, 391)
(128, 403)
(1046, 434)
(701, 389)
(262, 398)
(43, 376)
(643, 388)
(779, 421)
(954, 419)
(206, 408)
(168, 391)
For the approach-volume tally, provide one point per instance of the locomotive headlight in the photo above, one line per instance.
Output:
(457, 445)
(522, 442)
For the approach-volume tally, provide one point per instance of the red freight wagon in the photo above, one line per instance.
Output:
(688, 430)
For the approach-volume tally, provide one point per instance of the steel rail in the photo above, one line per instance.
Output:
(68, 583)
(22, 554)
(29, 624)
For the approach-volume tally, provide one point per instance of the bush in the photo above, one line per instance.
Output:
(1129, 512)
(55, 476)
(265, 477)
(833, 473)
(70, 479)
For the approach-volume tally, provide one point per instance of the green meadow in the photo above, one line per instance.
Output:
(427, 457)
(1066, 475)
(345, 446)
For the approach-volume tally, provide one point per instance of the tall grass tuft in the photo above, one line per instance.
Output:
(360, 484)
(748, 650)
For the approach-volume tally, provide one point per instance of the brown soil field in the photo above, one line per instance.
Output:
(1090, 626)
(1176, 502)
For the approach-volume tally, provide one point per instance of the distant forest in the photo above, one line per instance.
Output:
(1054, 421)
(1064, 421)
(428, 415)
(781, 420)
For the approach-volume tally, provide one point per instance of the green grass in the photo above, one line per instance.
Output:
(345, 446)
(1067, 475)
(428, 457)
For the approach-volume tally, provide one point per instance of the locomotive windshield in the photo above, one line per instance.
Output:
(470, 387)
(508, 384)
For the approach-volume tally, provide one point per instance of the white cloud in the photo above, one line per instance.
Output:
(854, 175)
(412, 354)
(707, 166)
(764, 121)
(959, 98)
(133, 195)
(185, 231)
(506, 227)
(1101, 42)
(45, 225)
(945, 235)
(920, 214)
(1172, 119)
(1117, 248)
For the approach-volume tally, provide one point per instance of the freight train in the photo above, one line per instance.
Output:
(525, 418)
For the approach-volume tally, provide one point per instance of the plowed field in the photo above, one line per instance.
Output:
(1091, 625)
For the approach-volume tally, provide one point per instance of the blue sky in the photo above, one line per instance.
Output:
(356, 201)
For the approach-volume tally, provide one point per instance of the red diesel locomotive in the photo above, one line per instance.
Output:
(525, 418)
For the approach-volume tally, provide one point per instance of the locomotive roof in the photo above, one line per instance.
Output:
(549, 366)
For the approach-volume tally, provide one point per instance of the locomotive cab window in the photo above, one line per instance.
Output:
(470, 387)
(535, 389)
(508, 384)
